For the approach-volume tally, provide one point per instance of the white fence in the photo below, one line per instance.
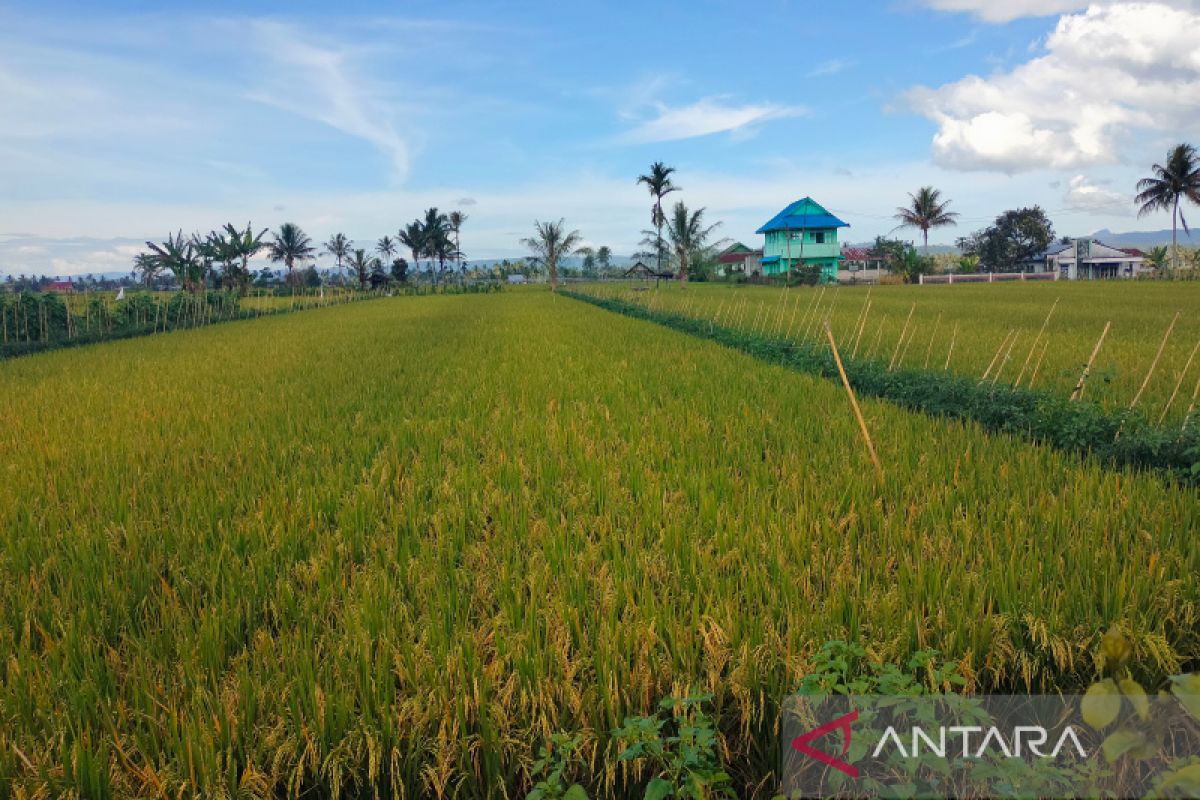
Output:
(988, 277)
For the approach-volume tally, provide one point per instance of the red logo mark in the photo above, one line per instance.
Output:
(801, 743)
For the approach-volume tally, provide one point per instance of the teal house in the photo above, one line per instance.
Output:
(804, 233)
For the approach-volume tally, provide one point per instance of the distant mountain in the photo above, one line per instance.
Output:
(1144, 239)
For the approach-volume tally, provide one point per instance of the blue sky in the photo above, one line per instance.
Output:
(123, 121)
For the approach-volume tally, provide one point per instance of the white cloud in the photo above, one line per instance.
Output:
(1084, 195)
(1008, 10)
(830, 67)
(705, 117)
(320, 83)
(1106, 75)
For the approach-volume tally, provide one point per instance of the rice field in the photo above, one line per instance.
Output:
(388, 548)
(1039, 334)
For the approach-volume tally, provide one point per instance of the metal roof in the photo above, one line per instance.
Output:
(801, 215)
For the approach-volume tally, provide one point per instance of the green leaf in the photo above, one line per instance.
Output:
(1121, 741)
(1187, 689)
(576, 792)
(658, 788)
(1187, 779)
(1101, 704)
(1137, 696)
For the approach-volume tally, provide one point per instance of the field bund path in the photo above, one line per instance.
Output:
(398, 543)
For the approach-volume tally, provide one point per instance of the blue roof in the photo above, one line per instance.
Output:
(801, 215)
(770, 260)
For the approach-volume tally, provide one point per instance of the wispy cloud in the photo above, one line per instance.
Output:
(831, 67)
(703, 118)
(320, 83)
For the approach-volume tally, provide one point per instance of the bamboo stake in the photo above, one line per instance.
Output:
(1087, 368)
(1192, 407)
(999, 349)
(1007, 356)
(792, 323)
(1178, 383)
(907, 345)
(861, 328)
(1038, 366)
(1033, 346)
(900, 341)
(817, 298)
(862, 423)
(878, 337)
(932, 336)
(1162, 346)
(811, 330)
(950, 351)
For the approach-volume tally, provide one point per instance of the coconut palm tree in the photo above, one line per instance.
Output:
(689, 236)
(550, 242)
(147, 268)
(362, 264)
(604, 257)
(412, 236)
(658, 182)
(1177, 179)
(386, 247)
(926, 210)
(339, 246)
(456, 220)
(435, 238)
(291, 245)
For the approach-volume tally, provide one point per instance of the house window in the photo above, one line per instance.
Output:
(796, 236)
(819, 237)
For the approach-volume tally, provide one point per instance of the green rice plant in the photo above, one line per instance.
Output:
(387, 548)
(1048, 352)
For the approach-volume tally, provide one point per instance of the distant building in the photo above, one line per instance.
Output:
(803, 234)
(1089, 259)
(738, 258)
(517, 278)
(64, 287)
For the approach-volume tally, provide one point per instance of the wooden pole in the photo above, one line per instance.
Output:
(999, 349)
(1192, 407)
(1033, 346)
(950, 350)
(1178, 383)
(792, 323)
(1161, 346)
(862, 423)
(1007, 356)
(1037, 367)
(932, 337)
(900, 341)
(1087, 368)
(862, 326)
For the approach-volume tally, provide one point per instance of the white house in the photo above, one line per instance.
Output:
(1089, 259)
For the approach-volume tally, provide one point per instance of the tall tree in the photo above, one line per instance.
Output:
(689, 236)
(291, 245)
(146, 266)
(456, 220)
(1177, 179)
(362, 265)
(926, 210)
(550, 242)
(604, 257)
(241, 246)
(412, 236)
(658, 182)
(339, 246)
(1015, 239)
(178, 255)
(386, 248)
(435, 238)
